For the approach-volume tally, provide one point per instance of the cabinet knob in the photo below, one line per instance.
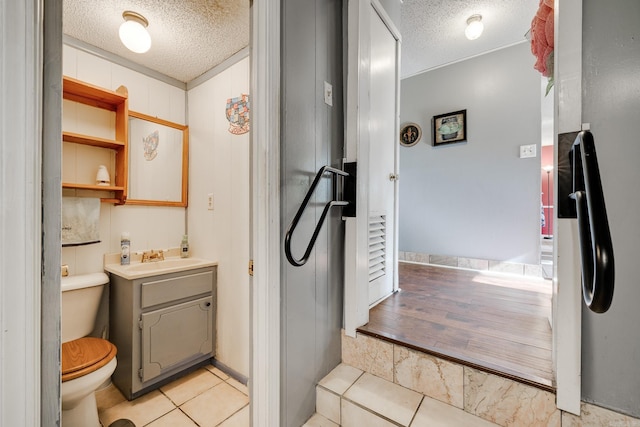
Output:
(208, 304)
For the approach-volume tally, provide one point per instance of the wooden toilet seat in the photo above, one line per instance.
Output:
(85, 355)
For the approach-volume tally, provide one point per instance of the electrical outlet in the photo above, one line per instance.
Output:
(210, 201)
(527, 151)
(328, 94)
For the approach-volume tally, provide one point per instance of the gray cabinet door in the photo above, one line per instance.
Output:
(174, 335)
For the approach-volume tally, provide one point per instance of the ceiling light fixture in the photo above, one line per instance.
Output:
(133, 32)
(474, 27)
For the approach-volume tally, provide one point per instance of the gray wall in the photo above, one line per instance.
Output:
(312, 137)
(476, 199)
(611, 103)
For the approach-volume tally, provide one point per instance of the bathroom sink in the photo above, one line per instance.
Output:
(137, 270)
(161, 265)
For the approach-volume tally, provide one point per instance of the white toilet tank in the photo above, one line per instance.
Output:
(80, 302)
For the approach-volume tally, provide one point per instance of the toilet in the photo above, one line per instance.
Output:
(87, 362)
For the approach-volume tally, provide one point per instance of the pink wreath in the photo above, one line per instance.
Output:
(542, 39)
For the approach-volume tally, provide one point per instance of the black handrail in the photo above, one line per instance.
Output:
(287, 239)
(596, 249)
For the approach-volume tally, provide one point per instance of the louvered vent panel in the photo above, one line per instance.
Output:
(377, 246)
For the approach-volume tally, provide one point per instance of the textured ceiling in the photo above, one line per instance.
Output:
(433, 30)
(189, 37)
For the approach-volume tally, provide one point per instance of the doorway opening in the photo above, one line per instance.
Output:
(470, 221)
(212, 101)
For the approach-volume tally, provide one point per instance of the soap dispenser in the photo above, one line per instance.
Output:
(125, 245)
(184, 247)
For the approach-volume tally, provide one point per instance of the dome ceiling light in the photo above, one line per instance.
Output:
(474, 27)
(133, 32)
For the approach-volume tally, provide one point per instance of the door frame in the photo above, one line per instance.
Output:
(31, 48)
(264, 383)
(567, 299)
(264, 377)
(265, 210)
(357, 140)
(567, 290)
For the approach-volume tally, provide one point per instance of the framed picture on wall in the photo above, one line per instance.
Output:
(449, 128)
(410, 134)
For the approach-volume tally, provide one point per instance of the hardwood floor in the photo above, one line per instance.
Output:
(494, 322)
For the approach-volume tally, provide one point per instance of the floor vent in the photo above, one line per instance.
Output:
(377, 246)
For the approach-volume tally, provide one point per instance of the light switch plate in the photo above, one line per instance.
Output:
(527, 151)
(210, 201)
(328, 94)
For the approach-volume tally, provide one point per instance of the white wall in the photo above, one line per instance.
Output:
(150, 227)
(219, 164)
(476, 199)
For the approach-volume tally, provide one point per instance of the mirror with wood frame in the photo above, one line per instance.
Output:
(158, 161)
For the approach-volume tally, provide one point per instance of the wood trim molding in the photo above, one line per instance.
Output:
(356, 283)
(21, 254)
(567, 297)
(264, 381)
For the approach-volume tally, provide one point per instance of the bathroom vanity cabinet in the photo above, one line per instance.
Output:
(162, 325)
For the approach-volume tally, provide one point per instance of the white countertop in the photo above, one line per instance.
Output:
(137, 269)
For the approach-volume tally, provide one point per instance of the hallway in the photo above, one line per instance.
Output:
(494, 322)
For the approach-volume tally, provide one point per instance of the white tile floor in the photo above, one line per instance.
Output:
(349, 397)
(205, 398)
(346, 397)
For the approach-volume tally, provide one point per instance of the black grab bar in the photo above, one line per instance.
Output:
(334, 202)
(596, 248)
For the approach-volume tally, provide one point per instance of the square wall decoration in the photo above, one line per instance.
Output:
(449, 128)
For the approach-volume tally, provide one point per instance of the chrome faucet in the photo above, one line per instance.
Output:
(152, 256)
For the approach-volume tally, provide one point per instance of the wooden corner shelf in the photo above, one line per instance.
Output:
(118, 102)
(92, 140)
(91, 187)
(79, 91)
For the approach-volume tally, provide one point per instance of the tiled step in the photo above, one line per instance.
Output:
(380, 384)
(459, 392)
(350, 397)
